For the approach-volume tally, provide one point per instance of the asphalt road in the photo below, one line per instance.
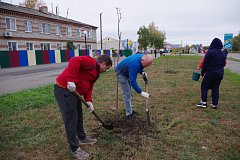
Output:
(21, 78)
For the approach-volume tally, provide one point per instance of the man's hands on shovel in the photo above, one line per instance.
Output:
(90, 108)
(72, 88)
(144, 75)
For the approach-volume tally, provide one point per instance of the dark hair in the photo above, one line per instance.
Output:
(105, 58)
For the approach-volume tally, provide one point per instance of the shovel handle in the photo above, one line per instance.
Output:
(85, 103)
(146, 106)
(146, 100)
(81, 98)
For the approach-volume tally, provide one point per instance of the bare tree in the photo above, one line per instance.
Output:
(34, 4)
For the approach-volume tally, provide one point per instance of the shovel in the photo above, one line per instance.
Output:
(109, 127)
(146, 100)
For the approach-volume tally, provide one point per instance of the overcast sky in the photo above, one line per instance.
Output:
(183, 21)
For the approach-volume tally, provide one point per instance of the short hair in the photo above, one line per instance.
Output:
(105, 58)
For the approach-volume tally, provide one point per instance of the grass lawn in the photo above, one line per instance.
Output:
(32, 127)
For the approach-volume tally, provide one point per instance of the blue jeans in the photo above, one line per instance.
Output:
(126, 90)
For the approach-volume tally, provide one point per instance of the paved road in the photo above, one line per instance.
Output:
(20, 78)
(233, 65)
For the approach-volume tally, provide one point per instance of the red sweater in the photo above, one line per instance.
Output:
(83, 71)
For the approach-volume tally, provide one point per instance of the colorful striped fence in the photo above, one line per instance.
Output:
(20, 58)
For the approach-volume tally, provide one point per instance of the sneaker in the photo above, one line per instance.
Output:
(131, 117)
(88, 140)
(202, 105)
(213, 106)
(80, 154)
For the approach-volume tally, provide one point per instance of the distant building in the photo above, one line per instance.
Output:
(176, 45)
(23, 28)
(167, 46)
(109, 43)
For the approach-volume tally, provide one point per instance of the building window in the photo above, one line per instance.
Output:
(78, 46)
(78, 32)
(45, 46)
(12, 46)
(58, 30)
(11, 24)
(29, 45)
(44, 28)
(89, 34)
(69, 31)
(28, 26)
(59, 46)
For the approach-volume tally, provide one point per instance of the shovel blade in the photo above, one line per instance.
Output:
(109, 127)
(148, 117)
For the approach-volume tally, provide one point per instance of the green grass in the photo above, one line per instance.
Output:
(32, 127)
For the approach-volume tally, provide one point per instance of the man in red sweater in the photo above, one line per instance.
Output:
(80, 75)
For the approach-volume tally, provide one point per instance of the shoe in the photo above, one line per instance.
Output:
(202, 104)
(131, 117)
(213, 106)
(134, 112)
(88, 140)
(80, 154)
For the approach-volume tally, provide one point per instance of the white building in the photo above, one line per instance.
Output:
(112, 43)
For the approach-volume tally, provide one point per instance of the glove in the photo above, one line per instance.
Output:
(90, 108)
(144, 75)
(145, 94)
(71, 86)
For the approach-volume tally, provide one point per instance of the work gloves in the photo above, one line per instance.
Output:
(90, 108)
(145, 94)
(71, 86)
(144, 75)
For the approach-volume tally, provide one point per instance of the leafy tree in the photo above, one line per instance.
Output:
(156, 37)
(34, 4)
(143, 37)
(70, 45)
(236, 43)
(150, 37)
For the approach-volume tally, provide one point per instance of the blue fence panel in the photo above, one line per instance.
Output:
(52, 56)
(23, 56)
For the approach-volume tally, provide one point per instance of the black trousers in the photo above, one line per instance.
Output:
(211, 81)
(71, 110)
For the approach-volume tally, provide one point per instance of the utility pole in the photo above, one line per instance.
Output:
(101, 28)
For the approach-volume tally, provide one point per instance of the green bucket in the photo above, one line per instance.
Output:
(196, 75)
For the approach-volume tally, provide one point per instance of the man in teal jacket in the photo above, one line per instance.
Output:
(128, 70)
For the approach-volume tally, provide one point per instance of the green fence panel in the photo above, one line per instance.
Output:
(39, 57)
(63, 56)
(4, 59)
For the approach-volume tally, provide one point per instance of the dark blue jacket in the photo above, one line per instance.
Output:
(215, 59)
(130, 67)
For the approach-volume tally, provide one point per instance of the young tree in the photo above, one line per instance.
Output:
(143, 37)
(34, 4)
(150, 36)
(236, 43)
(156, 37)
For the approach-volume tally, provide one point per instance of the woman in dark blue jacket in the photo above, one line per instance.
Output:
(212, 73)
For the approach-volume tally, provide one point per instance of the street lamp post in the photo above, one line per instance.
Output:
(85, 36)
(101, 28)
